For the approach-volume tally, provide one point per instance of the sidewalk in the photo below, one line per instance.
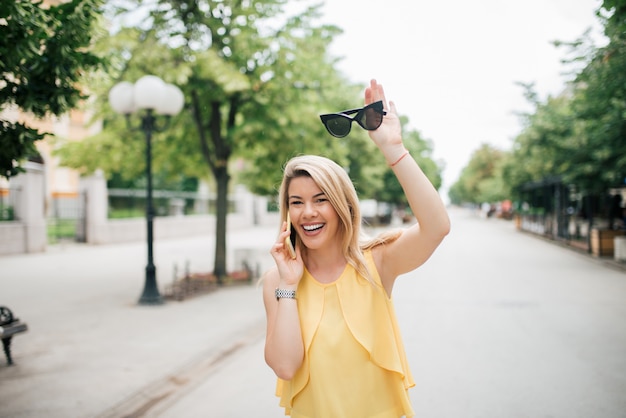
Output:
(92, 351)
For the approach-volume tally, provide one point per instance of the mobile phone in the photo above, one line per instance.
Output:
(290, 241)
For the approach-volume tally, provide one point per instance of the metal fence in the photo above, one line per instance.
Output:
(66, 218)
(8, 199)
(131, 203)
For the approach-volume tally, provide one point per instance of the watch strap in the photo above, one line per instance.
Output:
(284, 293)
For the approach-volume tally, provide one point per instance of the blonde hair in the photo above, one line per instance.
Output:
(335, 183)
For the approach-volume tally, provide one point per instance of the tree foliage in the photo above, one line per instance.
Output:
(480, 179)
(45, 52)
(546, 145)
(579, 136)
(266, 84)
(599, 106)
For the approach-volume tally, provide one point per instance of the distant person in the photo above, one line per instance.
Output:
(485, 208)
(332, 335)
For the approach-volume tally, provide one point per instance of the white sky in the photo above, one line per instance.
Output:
(451, 66)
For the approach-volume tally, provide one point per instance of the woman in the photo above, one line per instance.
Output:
(332, 335)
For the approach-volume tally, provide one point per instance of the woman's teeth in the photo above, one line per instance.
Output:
(311, 228)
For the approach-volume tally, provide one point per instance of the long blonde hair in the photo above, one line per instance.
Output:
(335, 183)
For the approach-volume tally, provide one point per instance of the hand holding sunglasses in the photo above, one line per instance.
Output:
(369, 118)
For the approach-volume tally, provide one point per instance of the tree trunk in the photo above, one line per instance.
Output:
(222, 179)
(216, 153)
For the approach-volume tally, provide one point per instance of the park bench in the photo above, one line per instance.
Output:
(9, 326)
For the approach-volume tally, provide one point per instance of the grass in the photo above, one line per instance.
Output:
(61, 229)
(126, 213)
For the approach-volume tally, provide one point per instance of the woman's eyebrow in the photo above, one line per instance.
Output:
(299, 197)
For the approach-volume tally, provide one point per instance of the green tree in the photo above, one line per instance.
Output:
(600, 108)
(254, 82)
(44, 55)
(480, 180)
(578, 136)
(547, 143)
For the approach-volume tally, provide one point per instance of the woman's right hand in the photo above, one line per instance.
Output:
(289, 269)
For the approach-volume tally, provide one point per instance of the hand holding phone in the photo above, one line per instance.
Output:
(290, 241)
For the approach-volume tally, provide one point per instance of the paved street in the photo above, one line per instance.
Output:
(497, 324)
(503, 324)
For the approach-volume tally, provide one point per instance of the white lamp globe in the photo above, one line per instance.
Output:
(149, 92)
(173, 102)
(121, 98)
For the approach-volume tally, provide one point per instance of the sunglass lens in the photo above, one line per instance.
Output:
(371, 119)
(338, 126)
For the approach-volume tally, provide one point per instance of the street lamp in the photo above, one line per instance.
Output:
(149, 96)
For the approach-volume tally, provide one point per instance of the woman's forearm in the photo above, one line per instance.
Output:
(284, 349)
(424, 200)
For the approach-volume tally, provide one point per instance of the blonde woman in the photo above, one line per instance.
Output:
(332, 335)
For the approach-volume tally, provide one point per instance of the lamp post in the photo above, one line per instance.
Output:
(149, 96)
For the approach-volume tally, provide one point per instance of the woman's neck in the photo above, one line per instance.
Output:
(326, 265)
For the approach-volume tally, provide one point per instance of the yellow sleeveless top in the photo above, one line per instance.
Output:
(354, 362)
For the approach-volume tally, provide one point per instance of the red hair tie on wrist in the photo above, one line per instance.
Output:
(399, 159)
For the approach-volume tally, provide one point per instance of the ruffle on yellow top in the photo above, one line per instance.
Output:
(370, 316)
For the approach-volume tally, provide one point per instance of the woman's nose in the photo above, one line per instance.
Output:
(309, 210)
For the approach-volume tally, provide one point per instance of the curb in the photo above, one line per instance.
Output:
(156, 397)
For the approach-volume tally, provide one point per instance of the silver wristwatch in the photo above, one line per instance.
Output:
(283, 293)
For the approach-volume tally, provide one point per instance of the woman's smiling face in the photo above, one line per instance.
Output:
(312, 214)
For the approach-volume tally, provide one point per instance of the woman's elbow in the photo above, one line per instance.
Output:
(284, 373)
(441, 226)
(445, 228)
(283, 370)
(437, 231)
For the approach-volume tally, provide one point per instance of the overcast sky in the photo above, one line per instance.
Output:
(451, 66)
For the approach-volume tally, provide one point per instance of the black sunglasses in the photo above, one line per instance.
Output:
(369, 117)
